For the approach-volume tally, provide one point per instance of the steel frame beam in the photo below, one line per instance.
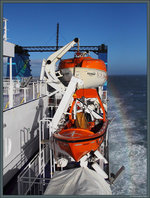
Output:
(96, 49)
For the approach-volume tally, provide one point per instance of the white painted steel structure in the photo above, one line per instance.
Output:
(65, 102)
(23, 109)
(49, 67)
(32, 124)
(8, 51)
(20, 134)
(21, 94)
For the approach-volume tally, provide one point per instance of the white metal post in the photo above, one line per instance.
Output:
(40, 88)
(65, 101)
(40, 122)
(33, 91)
(25, 95)
(37, 87)
(5, 30)
(11, 84)
(52, 160)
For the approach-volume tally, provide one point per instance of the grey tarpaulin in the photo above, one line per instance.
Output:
(78, 181)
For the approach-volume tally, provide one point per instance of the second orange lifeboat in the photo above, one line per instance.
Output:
(91, 71)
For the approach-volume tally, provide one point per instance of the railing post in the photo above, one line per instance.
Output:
(19, 193)
(40, 146)
(11, 84)
(40, 88)
(51, 160)
(25, 95)
(33, 90)
(37, 87)
(46, 91)
(30, 178)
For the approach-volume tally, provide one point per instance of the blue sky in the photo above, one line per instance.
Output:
(121, 26)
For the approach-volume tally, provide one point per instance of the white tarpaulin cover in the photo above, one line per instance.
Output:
(78, 181)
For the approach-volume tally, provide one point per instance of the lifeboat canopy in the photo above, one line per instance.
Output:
(91, 71)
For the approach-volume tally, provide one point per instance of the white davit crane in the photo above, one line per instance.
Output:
(48, 74)
(49, 65)
(65, 101)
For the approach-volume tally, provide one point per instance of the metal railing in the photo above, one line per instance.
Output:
(36, 186)
(35, 177)
(30, 180)
(33, 90)
(46, 146)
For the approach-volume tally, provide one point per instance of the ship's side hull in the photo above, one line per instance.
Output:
(20, 135)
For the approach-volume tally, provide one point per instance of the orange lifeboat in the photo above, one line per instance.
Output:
(82, 135)
(91, 71)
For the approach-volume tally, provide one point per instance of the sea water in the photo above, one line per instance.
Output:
(127, 106)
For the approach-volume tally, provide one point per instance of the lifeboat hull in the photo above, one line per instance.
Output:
(91, 77)
(77, 142)
(78, 150)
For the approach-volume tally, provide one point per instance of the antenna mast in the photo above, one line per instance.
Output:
(57, 38)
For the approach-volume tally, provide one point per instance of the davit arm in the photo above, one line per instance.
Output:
(48, 66)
